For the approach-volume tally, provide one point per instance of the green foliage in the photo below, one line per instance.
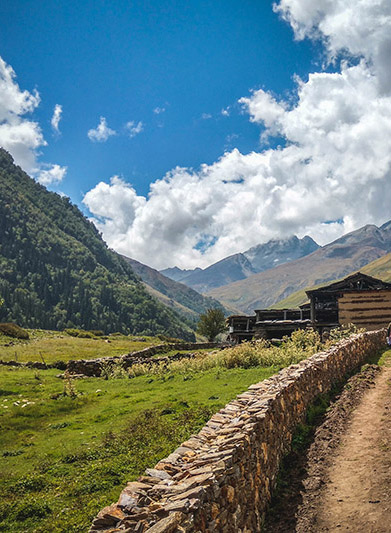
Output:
(261, 353)
(344, 332)
(57, 273)
(13, 330)
(211, 323)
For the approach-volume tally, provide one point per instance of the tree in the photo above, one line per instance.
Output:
(211, 323)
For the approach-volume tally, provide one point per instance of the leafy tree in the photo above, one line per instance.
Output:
(211, 323)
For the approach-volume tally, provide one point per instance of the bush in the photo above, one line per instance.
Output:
(80, 333)
(13, 330)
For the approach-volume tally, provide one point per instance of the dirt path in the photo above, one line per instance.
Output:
(342, 482)
(357, 496)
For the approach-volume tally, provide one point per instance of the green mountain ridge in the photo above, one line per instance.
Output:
(183, 299)
(57, 272)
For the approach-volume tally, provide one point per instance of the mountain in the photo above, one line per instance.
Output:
(57, 272)
(176, 274)
(243, 265)
(183, 299)
(380, 268)
(333, 261)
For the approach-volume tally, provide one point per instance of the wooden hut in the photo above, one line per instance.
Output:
(358, 299)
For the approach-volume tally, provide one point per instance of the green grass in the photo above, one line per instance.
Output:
(62, 459)
(51, 346)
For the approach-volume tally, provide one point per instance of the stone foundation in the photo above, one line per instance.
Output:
(221, 479)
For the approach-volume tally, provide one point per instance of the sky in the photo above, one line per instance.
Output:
(192, 130)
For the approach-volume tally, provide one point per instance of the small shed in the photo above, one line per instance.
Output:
(358, 299)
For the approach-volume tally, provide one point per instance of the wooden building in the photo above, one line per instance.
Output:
(240, 328)
(358, 299)
(276, 323)
(267, 324)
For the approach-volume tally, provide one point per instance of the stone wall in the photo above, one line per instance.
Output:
(93, 367)
(221, 479)
(61, 365)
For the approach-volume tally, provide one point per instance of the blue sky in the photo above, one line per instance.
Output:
(123, 59)
(192, 130)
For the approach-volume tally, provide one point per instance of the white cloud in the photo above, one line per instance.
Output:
(20, 136)
(226, 111)
(55, 121)
(335, 164)
(51, 174)
(102, 132)
(206, 116)
(133, 128)
(159, 110)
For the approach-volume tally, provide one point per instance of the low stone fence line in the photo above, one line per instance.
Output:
(221, 479)
(93, 367)
(61, 365)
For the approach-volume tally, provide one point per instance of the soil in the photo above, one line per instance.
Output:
(342, 481)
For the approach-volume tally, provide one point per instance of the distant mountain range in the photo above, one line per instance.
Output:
(380, 268)
(243, 265)
(328, 263)
(183, 299)
(56, 271)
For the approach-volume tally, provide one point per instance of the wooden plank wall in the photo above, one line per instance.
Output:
(365, 309)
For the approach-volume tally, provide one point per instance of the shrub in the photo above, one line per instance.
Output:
(73, 332)
(343, 332)
(13, 330)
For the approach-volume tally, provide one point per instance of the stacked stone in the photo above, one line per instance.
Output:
(93, 367)
(61, 365)
(221, 479)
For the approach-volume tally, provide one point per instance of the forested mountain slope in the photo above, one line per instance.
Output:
(180, 297)
(56, 271)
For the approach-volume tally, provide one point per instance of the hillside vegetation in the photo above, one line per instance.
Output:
(183, 299)
(56, 271)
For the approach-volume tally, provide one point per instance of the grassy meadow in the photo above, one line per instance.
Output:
(51, 346)
(69, 446)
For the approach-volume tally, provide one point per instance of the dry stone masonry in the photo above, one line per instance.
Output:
(221, 479)
(94, 367)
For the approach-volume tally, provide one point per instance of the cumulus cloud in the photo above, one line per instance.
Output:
(19, 135)
(101, 133)
(331, 175)
(51, 174)
(159, 110)
(134, 129)
(55, 121)
(206, 116)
